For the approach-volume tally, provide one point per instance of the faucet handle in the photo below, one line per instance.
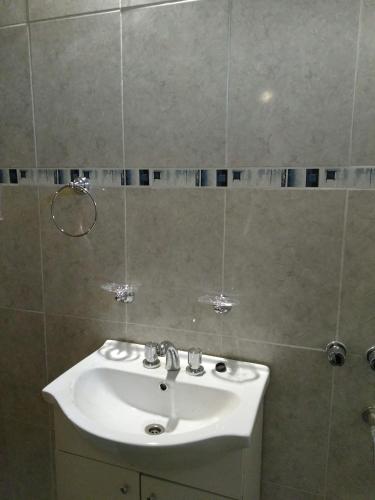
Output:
(151, 355)
(195, 367)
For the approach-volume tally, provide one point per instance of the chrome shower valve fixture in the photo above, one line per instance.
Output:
(370, 355)
(336, 352)
(125, 294)
(220, 303)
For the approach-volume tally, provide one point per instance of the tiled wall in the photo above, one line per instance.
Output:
(206, 84)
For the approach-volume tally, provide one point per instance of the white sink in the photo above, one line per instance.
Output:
(112, 397)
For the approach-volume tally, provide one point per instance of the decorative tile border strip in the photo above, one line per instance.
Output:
(332, 178)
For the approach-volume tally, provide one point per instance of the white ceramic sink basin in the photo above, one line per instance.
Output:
(110, 395)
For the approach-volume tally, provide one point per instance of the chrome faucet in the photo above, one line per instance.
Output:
(165, 348)
(172, 358)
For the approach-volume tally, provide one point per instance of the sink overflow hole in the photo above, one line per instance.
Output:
(163, 387)
(154, 429)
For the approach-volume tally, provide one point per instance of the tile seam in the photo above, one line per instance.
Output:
(20, 309)
(78, 15)
(355, 83)
(32, 92)
(329, 432)
(283, 485)
(160, 3)
(207, 333)
(342, 265)
(228, 57)
(16, 25)
(73, 316)
(125, 253)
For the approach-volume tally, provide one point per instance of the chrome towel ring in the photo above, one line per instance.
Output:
(79, 185)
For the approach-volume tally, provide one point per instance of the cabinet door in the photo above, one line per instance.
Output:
(84, 479)
(157, 489)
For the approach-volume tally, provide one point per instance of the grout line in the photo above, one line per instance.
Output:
(32, 92)
(341, 272)
(276, 344)
(17, 25)
(125, 236)
(291, 488)
(74, 16)
(125, 253)
(51, 447)
(359, 33)
(230, 6)
(20, 309)
(43, 286)
(27, 7)
(204, 333)
(88, 318)
(168, 328)
(224, 239)
(329, 431)
(339, 305)
(122, 90)
(226, 132)
(159, 3)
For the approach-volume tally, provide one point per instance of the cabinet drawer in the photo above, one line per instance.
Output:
(84, 479)
(157, 489)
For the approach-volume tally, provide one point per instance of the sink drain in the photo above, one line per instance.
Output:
(154, 429)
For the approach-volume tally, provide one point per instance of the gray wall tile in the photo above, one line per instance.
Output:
(364, 113)
(175, 237)
(5, 480)
(282, 261)
(20, 266)
(175, 65)
(30, 460)
(42, 9)
(210, 344)
(291, 83)
(271, 491)
(296, 413)
(76, 269)
(174, 245)
(357, 322)
(69, 340)
(173, 308)
(12, 12)
(351, 466)
(23, 368)
(77, 87)
(16, 127)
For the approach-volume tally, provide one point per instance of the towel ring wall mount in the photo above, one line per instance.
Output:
(80, 186)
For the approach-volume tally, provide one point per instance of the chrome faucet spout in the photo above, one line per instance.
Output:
(172, 358)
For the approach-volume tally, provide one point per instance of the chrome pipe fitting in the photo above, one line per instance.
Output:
(336, 352)
(370, 356)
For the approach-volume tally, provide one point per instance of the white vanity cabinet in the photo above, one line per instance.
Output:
(80, 478)
(157, 489)
(87, 472)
